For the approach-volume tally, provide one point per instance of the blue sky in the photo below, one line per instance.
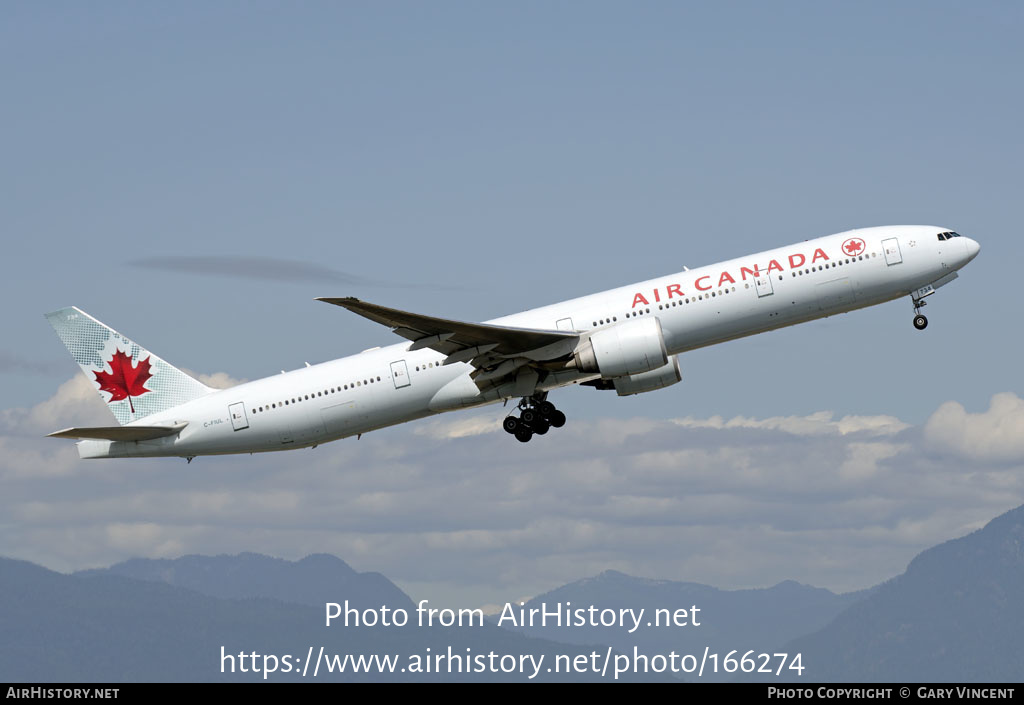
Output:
(504, 157)
(470, 160)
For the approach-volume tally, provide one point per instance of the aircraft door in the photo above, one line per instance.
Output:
(239, 420)
(343, 417)
(835, 294)
(891, 247)
(564, 324)
(763, 284)
(400, 374)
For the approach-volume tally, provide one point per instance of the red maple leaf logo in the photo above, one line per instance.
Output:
(852, 247)
(124, 381)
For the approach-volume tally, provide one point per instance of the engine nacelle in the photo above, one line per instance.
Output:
(629, 348)
(649, 381)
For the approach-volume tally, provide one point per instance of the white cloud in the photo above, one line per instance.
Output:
(995, 435)
(863, 460)
(454, 506)
(76, 403)
(30, 459)
(814, 424)
(458, 428)
(217, 380)
(143, 538)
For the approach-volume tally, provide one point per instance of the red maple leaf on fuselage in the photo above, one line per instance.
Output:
(124, 381)
(853, 247)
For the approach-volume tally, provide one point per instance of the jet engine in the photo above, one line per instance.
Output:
(629, 348)
(660, 378)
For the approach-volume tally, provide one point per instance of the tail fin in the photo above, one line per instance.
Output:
(134, 382)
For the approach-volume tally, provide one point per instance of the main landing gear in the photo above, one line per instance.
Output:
(920, 320)
(536, 416)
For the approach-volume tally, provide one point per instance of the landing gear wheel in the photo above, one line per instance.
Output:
(536, 417)
(920, 322)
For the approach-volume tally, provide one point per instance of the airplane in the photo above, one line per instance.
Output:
(627, 339)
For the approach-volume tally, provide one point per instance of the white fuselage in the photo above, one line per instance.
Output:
(699, 307)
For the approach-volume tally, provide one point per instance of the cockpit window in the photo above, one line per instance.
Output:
(947, 235)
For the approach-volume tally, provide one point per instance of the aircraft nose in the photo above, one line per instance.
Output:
(972, 248)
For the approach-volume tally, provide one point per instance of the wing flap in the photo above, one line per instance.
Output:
(449, 337)
(120, 433)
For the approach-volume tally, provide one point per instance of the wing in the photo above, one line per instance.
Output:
(120, 433)
(495, 351)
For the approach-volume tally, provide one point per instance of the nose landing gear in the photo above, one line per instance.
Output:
(920, 320)
(537, 416)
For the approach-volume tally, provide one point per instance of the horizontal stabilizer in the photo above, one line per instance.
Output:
(120, 433)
